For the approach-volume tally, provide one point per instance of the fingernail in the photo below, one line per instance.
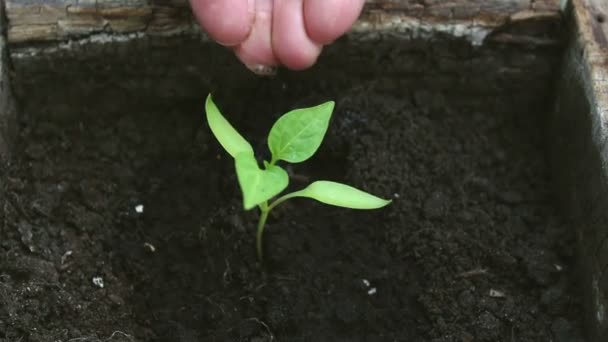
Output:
(262, 70)
(227, 44)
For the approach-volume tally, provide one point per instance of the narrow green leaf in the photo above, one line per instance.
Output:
(258, 185)
(297, 135)
(341, 195)
(227, 136)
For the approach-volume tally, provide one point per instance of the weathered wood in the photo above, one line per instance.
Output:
(8, 114)
(580, 150)
(53, 21)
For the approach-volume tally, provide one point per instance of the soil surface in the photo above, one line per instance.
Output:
(122, 221)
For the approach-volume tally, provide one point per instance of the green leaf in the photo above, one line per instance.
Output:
(258, 185)
(297, 135)
(341, 195)
(227, 136)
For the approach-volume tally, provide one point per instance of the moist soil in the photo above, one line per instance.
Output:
(123, 221)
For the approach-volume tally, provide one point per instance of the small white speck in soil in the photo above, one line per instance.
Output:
(98, 281)
(496, 294)
(150, 247)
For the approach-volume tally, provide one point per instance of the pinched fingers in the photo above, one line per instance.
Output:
(276, 32)
(290, 41)
(256, 51)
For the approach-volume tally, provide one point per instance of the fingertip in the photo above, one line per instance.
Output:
(257, 49)
(290, 42)
(297, 60)
(228, 22)
(327, 20)
(256, 57)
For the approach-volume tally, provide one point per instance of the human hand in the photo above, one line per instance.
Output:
(268, 33)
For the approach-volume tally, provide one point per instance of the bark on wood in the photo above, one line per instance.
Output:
(35, 21)
(580, 151)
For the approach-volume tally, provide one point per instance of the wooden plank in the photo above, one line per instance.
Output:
(598, 12)
(8, 113)
(580, 151)
(34, 21)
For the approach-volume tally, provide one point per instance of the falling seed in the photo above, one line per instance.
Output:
(139, 208)
(496, 294)
(396, 195)
(366, 282)
(150, 247)
(98, 281)
(65, 256)
(558, 268)
(371, 291)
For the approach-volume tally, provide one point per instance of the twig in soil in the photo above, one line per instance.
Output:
(260, 322)
(96, 339)
(208, 299)
(227, 276)
(474, 272)
(56, 285)
(84, 338)
(121, 333)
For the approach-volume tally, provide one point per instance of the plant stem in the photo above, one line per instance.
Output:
(283, 199)
(261, 223)
(273, 161)
(264, 211)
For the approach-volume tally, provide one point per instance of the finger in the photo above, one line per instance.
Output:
(227, 21)
(256, 50)
(327, 20)
(290, 42)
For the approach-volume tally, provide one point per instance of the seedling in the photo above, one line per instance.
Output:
(294, 138)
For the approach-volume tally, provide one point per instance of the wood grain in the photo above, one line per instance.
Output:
(35, 21)
(8, 113)
(580, 152)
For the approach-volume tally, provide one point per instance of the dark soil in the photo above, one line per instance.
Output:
(470, 250)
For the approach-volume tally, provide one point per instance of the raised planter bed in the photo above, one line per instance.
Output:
(482, 120)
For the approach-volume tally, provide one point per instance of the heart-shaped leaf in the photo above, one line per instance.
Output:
(258, 185)
(227, 136)
(297, 135)
(341, 195)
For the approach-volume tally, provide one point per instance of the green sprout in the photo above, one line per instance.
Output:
(294, 138)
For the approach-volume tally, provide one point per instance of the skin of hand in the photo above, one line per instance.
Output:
(270, 33)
